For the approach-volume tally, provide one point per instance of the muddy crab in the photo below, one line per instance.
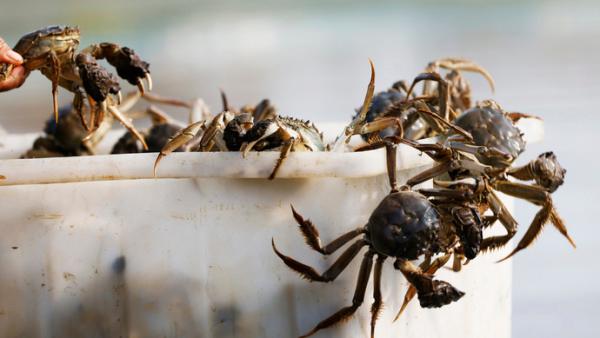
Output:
(53, 51)
(403, 227)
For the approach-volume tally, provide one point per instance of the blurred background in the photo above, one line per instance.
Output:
(310, 59)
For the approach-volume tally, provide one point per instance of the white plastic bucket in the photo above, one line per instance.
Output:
(96, 247)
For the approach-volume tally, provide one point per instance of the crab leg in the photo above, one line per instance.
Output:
(179, 139)
(510, 224)
(357, 300)
(209, 135)
(224, 100)
(430, 173)
(377, 302)
(311, 235)
(457, 262)
(78, 105)
(332, 273)
(368, 96)
(463, 64)
(359, 119)
(480, 150)
(152, 97)
(285, 151)
(100, 116)
(390, 143)
(127, 124)
(514, 116)
(444, 192)
(380, 124)
(442, 90)
(452, 126)
(264, 110)
(55, 65)
(536, 195)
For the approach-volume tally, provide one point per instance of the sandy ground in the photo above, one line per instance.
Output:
(312, 63)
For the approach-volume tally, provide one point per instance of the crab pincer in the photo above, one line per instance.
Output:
(129, 65)
(99, 84)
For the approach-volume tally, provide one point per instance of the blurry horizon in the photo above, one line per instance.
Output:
(310, 59)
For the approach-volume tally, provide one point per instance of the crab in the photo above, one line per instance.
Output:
(233, 130)
(282, 133)
(394, 125)
(163, 128)
(62, 139)
(452, 97)
(494, 148)
(404, 226)
(53, 51)
(362, 124)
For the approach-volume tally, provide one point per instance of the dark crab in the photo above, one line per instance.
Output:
(399, 116)
(163, 128)
(460, 159)
(404, 226)
(53, 51)
(451, 95)
(65, 138)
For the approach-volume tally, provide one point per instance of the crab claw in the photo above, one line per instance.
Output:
(260, 131)
(369, 95)
(119, 98)
(141, 87)
(127, 124)
(149, 80)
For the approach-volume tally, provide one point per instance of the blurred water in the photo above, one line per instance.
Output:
(311, 61)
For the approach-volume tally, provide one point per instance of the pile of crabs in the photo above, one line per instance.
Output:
(474, 148)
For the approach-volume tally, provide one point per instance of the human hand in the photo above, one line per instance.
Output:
(18, 74)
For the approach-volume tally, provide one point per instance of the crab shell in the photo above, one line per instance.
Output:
(63, 40)
(404, 225)
(491, 128)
